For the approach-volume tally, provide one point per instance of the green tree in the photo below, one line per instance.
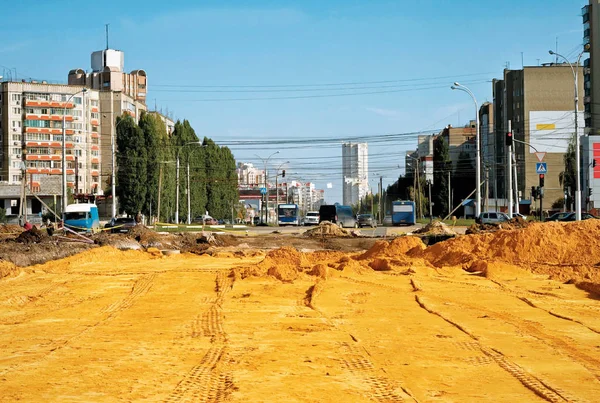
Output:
(441, 167)
(151, 126)
(567, 178)
(463, 180)
(131, 165)
(221, 179)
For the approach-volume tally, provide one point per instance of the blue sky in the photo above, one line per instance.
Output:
(269, 43)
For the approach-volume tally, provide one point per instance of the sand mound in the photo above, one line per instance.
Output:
(7, 269)
(435, 228)
(563, 251)
(395, 248)
(326, 228)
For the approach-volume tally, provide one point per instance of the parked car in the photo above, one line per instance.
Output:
(210, 221)
(491, 217)
(366, 220)
(121, 225)
(387, 220)
(558, 216)
(515, 215)
(311, 218)
(571, 217)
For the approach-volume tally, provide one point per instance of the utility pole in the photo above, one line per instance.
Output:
(189, 197)
(509, 174)
(160, 176)
(177, 192)
(487, 188)
(430, 204)
(514, 156)
(449, 194)
(381, 200)
(76, 175)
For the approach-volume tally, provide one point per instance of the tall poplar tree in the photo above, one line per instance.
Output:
(132, 163)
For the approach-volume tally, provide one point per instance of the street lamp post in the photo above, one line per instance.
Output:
(577, 146)
(461, 87)
(177, 180)
(64, 150)
(265, 162)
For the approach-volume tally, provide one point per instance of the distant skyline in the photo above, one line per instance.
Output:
(395, 62)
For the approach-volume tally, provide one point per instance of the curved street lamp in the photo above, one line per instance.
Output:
(575, 72)
(177, 179)
(461, 87)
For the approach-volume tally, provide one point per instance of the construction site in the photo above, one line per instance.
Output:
(507, 313)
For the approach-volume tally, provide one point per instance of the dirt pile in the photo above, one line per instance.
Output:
(564, 251)
(287, 264)
(327, 229)
(33, 235)
(515, 223)
(395, 248)
(435, 228)
(10, 229)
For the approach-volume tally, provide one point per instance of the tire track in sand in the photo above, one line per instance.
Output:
(540, 387)
(356, 360)
(210, 380)
(139, 288)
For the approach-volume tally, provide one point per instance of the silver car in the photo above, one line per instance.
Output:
(311, 218)
(491, 217)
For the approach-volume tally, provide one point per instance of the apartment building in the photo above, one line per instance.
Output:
(31, 132)
(355, 172)
(538, 100)
(120, 94)
(249, 176)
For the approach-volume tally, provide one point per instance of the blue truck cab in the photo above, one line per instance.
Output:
(82, 217)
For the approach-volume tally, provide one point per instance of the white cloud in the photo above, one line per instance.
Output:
(389, 113)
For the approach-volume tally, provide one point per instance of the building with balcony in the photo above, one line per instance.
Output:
(31, 133)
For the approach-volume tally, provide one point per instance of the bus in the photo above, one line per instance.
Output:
(288, 214)
(403, 212)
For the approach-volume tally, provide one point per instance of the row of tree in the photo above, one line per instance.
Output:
(146, 178)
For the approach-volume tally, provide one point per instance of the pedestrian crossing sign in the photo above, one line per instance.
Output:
(541, 168)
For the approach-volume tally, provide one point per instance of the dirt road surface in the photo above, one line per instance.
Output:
(455, 322)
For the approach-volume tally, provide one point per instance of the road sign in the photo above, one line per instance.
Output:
(540, 156)
(263, 191)
(541, 168)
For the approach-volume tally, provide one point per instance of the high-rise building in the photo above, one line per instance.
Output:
(591, 83)
(120, 93)
(31, 122)
(355, 172)
(538, 100)
(249, 176)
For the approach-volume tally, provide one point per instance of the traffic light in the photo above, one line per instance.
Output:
(509, 139)
(283, 173)
(534, 194)
(589, 191)
(541, 180)
(594, 163)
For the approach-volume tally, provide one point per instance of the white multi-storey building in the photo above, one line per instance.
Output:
(31, 134)
(249, 176)
(355, 172)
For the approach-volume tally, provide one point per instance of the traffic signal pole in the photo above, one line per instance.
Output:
(509, 170)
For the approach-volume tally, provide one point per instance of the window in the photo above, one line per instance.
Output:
(16, 151)
(16, 97)
(76, 113)
(16, 178)
(16, 111)
(94, 102)
(16, 123)
(96, 115)
(44, 111)
(77, 100)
